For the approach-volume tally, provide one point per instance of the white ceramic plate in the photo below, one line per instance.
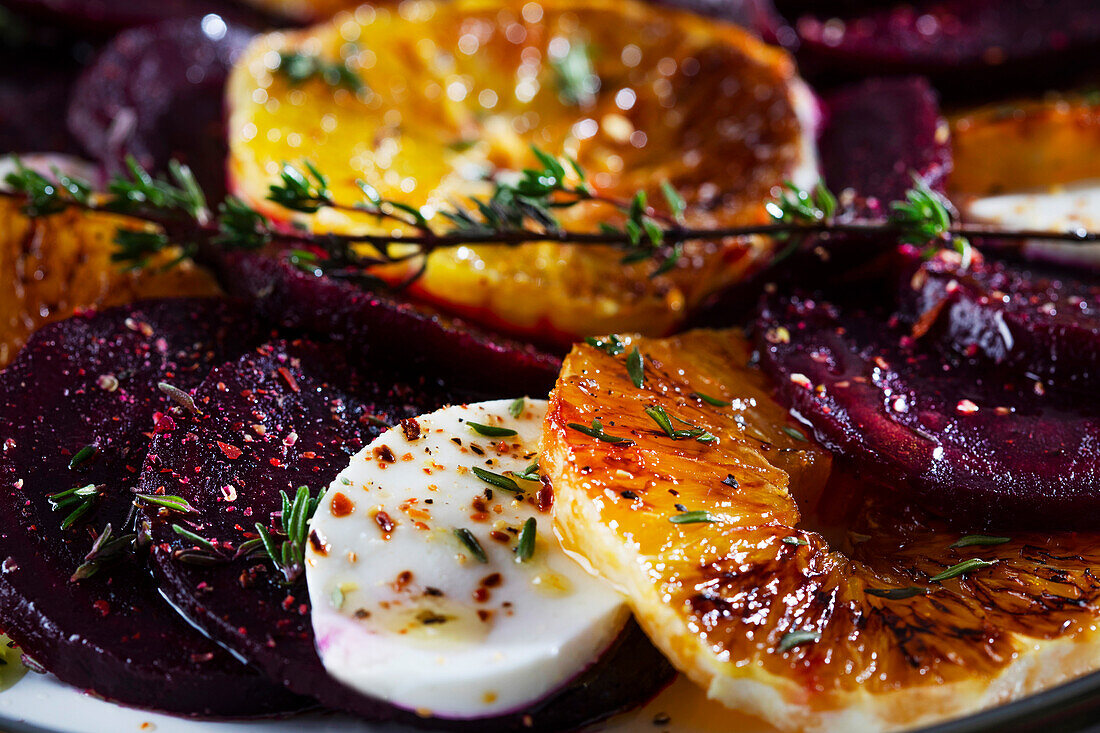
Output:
(40, 704)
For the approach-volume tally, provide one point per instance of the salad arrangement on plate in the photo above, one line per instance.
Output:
(490, 364)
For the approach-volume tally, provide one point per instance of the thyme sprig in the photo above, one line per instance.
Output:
(521, 208)
(286, 545)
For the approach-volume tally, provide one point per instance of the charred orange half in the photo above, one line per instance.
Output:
(455, 93)
(53, 265)
(889, 622)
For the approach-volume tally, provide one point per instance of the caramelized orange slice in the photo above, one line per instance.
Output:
(454, 93)
(54, 265)
(881, 628)
(1025, 145)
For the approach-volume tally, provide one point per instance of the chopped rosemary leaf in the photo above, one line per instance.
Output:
(695, 517)
(896, 594)
(612, 345)
(979, 539)
(576, 79)
(197, 539)
(525, 548)
(796, 541)
(596, 431)
(660, 416)
(168, 501)
(531, 473)
(710, 400)
(497, 480)
(676, 203)
(635, 367)
(466, 537)
(490, 431)
(962, 568)
(82, 456)
(516, 408)
(795, 433)
(797, 638)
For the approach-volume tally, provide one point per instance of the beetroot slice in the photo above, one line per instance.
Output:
(292, 414)
(155, 93)
(879, 133)
(1032, 322)
(979, 446)
(282, 416)
(92, 380)
(388, 330)
(951, 35)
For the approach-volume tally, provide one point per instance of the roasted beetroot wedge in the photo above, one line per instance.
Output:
(958, 40)
(283, 416)
(1033, 322)
(881, 132)
(978, 446)
(76, 413)
(155, 93)
(386, 329)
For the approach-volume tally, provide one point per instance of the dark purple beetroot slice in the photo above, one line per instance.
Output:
(1031, 322)
(282, 416)
(92, 381)
(960, 42)
(879, 133)
(155, 93)
(290, 415)
(388, 330)
(103, 17)
(978, 446)
(758, 16)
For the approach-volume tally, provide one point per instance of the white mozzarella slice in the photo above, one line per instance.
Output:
(1066, 208)
(407, 611)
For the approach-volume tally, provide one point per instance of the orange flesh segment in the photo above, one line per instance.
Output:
(720, 598)
(54, 265)
(1025, 145)
(457, 91)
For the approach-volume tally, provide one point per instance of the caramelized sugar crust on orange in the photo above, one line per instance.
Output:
(457, 92)
(726, 600)
(1024, 145)
(53, 265)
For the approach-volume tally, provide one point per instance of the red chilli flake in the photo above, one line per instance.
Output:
(341, 505)
(289, 379)
(231, 452)
(411, 428)
(385, 522)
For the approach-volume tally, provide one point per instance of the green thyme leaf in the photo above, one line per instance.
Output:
(971, 540)
(525, 548)
(596, 431)
(490, 431)
(962, 568)
(797, 638)
(710, 400)
(515, 409)
(694, 517)
(497, 480)
(635, 367)
(466, 537)
(612, 345)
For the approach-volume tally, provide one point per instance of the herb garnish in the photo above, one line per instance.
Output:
(518, 211)
(611, 344)
(795, 433)
(300, 67)
(286, 547)
(195, 538)
(797, 638)
(658, 414)
(979, 539)
(577, 80)
(490, 431)
(106, 548)
(80, 497)
(961, 568)
(531, 473)
(515, 409)
(526, 545)
(796, 541)
(82, 456)
(694, 517)
(166, 501)
(635, 367)
(180, 397)
(596, 431)
(497, 480)
(710, 400)
(466, 537)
